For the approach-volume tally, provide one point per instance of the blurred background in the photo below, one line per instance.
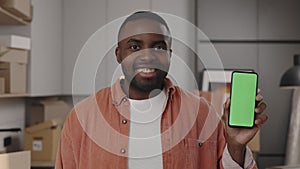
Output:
(261, 35)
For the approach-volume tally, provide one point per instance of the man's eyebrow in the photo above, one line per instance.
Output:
(160, 42)
(134, 41)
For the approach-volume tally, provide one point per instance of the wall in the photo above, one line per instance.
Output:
(80, 24)
(45, 71)
(262, 35)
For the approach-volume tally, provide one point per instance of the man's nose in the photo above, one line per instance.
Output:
(147, 54)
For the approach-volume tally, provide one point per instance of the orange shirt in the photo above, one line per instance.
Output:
(95, 134)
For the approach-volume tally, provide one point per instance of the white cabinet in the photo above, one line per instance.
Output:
(229, 19)
(231, 55)
(249, 20)
(180, 19)
(279, 19)
(180, 8)
(45, 67)
(116, 8)
(80, 20)
(109, 70)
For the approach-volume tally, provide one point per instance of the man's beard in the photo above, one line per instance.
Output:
(147, 85)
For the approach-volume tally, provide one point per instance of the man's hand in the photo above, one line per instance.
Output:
(238, 138)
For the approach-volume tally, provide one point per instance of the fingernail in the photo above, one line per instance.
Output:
(256, 122)
(259, 97)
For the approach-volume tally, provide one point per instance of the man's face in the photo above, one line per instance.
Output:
(144, 54)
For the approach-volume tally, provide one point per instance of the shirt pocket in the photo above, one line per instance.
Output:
(200, 155)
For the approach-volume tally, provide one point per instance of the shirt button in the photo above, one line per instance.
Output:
(124, 121)
(123, 151)
(200, 144)
(124, 99)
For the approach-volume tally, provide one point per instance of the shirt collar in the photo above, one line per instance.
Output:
(118, 95)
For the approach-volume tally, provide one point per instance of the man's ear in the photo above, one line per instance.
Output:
(118, 54)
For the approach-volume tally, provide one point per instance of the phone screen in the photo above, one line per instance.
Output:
(242, 99)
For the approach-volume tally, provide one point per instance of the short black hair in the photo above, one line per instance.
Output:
(144, 15)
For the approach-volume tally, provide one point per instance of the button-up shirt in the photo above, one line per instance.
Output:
(95, 134)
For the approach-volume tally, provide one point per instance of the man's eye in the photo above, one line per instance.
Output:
(159, 48)
(134, 47)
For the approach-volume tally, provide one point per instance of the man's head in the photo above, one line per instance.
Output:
(144, 51)
(143, 15)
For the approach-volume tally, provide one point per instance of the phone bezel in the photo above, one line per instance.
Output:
(240, 126)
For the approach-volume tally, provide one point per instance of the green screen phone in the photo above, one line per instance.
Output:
(242, 99)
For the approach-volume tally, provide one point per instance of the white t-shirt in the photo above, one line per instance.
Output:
(144, 147)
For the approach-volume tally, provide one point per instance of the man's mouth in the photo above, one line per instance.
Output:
(145, 70)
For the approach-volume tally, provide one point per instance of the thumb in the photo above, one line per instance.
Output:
(226, 110)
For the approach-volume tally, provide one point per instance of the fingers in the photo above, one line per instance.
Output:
(227, 103)
(259, 98)
(260, 120)
(261, 107)
(226, 110)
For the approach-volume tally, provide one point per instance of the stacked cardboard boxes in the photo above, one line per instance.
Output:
(13, 67)
(42, 110)
(45, 118)
(21, 9)
(14, 51)
(42, 140)
(2, 83)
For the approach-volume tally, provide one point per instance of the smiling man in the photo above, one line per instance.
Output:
(144, 53)
(144, 121)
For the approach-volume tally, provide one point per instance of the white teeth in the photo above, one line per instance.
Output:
(145, 70)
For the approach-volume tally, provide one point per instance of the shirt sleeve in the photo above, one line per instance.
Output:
(229, 163)
(65, 157)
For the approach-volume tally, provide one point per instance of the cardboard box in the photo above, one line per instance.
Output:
(15, 41)
(42, 140)
(15, 76)
(29, 19)
(13, 67)
(16, 160)
(45, 110)
(13, 55)
(2, 85)
(20, 8)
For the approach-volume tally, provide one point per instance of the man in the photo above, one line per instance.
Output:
(144, 121)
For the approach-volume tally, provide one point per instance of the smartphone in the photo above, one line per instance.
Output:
(242, 99)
